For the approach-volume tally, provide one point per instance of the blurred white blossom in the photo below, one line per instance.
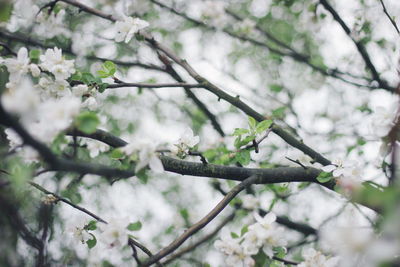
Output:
(314, 258)
(147, 155)
(114, 234)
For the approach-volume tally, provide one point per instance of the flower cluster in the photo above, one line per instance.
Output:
(128, 27)
(187, 141)
(54, 62)
(49, 107)
(264, 234)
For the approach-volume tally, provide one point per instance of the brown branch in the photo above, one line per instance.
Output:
(172, 72)
(153, 85)
(200, 241)
(289, 138)
(32, 42)
(360, 47)
(203, 222)
(292, 53)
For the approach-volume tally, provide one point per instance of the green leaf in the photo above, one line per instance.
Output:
(262, 126)
(91, 243)
(87, 122)
(136, 226)
(117, 154)
(102, 87)
(276, 88)
(324, 177)
(240, 131)
(91, 226)
(279, 112)
(5, 11)
(102, 74)
(142, 175)
(34, 54)
(234, 235)
(280, 252)
(244, 230)
(88, 78)
(185, 214)
(108, 70)
(243, 157)
(252, 122)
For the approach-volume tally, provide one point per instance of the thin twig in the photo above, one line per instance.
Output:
(200, 241)
(389, 17)
(60, 198)
(203, 222)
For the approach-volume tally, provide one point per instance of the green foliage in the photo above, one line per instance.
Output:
(185, 215)
(34, 55)
(136, 226)
(87, 122)
(91, 243)
(324, 177)
(245, 136)
(108, 69)
(5, 11)
(91, 226)
(234, 235)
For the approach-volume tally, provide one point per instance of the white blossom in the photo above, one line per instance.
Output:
(77, 230)
(21, 97)
(18, 66)
(57, 88)
(95, 147)
(314, 258)
(90, 103)
(51, 24)
(79, 90)
(213, 10)
(147, 155)
(250, 202)
(128, 27)
(236, 256)
(114, 234)
(56, 115)
(54, 62)
(348, 174)
(382, 120)
(187, 141)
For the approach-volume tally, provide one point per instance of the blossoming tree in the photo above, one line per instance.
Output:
(199, 133)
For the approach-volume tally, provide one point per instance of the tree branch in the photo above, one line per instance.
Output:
(290, 139)
(360, 47)
(200, 241)
(153, 85)
(204, 221)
